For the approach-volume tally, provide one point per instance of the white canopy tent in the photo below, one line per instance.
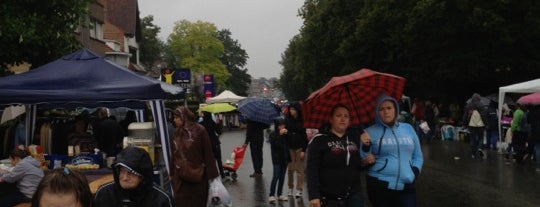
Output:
(531, 86)
(225, 97)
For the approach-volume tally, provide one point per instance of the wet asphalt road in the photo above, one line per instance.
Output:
(445, 180)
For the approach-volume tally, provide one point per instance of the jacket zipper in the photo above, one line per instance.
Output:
(398, 158)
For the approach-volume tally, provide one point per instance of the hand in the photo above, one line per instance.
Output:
(302, 154)
(315, 203)
(365, 139)
(283, 131)
(370, 159)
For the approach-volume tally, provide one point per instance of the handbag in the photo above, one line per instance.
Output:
(187, 170)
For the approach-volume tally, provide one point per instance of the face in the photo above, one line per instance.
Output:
(387, 112)
(178, 121)
(58, 200)
(294, 112)
(128, 180)
(15, 161)
(80, 126)
(340, 120)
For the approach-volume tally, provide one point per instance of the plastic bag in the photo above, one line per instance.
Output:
(218, 195)
(424, 126)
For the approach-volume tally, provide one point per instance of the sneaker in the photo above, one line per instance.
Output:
(283, 198)
(481, 153)
(298, 194)
(291, 192)
(272, 199)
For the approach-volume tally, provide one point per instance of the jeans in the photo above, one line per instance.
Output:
(278, 178)
(476, 137)
(8, 200)
(492, 139)
(383, 197)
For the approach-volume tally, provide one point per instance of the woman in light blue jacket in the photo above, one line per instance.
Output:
(393, 151)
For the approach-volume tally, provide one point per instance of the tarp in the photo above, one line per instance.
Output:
(79, 77)
(225, 97)
(531, 86)
(84, 77)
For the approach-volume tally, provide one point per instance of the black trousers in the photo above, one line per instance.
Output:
(216, 149)
(256, 148)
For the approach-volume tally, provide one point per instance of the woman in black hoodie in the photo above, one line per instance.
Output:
(132, 185)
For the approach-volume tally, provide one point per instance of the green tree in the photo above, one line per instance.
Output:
(152, 48)
(235, 60)
(445, 49)
(38, 32)
(195, 46)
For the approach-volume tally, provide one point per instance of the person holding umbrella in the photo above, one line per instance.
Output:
(334, 165)
(393, 151)
(255, 139)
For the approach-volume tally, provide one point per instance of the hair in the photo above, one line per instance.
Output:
(18, 153)
(296, 106)
(339, 105)
(64, 181)
(185, 114)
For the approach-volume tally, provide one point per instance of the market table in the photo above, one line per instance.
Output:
(94, 185)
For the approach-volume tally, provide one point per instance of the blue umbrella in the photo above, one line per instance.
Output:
(258, 109)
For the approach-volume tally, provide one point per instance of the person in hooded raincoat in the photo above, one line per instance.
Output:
(393, 151)
(133, 184)
(193, 139)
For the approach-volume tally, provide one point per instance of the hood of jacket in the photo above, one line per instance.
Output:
(380, 100)
(137, 160)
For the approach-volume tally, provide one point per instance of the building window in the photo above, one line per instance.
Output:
(96, 29)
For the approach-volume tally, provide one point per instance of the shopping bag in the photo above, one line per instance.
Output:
(218, 196)
(424, 126)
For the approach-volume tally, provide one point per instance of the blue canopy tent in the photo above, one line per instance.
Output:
(85, 78)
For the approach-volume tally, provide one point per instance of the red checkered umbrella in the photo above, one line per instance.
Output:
(358, 91)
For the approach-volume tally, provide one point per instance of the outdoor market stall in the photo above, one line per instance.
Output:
(85, 78)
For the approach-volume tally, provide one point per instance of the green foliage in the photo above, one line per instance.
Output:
(38, 32)
(195, 46)
(445, 49)
(151, 46)
(235, 60)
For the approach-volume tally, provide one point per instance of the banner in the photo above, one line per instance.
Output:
(208, 86)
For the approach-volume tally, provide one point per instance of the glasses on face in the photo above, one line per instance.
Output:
(126, 172)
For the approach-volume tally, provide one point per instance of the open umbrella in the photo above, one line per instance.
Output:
(358, 91)
(12, 112)
(258, 109)
(218, 108)
(531, 99)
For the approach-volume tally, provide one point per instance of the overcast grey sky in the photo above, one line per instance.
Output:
(262, 27)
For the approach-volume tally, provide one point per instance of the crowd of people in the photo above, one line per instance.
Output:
(331, 161)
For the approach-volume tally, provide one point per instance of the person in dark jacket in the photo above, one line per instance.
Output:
(255, 139)
(297, 141)
(280, 159)
(108, 133)
(534, 122)
(334, 165)
(132, 185)
(213, 131)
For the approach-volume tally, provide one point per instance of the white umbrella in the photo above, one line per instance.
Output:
(12, 112)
